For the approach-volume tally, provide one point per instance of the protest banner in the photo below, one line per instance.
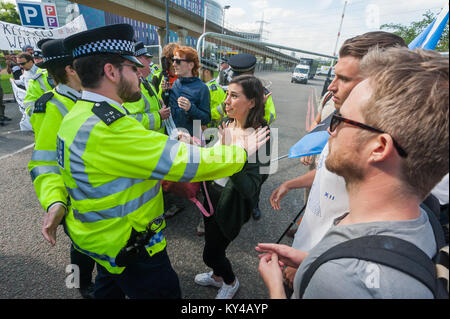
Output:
(13, 37)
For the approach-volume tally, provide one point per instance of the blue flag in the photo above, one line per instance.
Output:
(313, 142)
(430, 37)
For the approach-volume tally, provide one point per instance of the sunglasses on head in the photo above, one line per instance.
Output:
(178, 61)
(337, 119)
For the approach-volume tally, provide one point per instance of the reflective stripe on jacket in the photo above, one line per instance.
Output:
(113, 172)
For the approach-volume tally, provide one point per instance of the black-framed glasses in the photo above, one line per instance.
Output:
(132, 66)
(178, 61)
(336, 120)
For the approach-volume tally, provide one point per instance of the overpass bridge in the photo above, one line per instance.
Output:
(185, 23)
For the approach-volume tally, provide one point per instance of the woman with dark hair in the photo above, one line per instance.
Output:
(234, 197)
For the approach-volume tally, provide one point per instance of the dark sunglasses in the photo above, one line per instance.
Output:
(178, 61)
(23, 63)
(336, 120)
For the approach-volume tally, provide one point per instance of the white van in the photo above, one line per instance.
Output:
(300, 74)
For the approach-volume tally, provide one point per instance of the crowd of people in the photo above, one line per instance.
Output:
(110, 125)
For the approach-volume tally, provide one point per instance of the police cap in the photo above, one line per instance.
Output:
(242, 63)
(37, 54)
(115, 39)
(41, 42)
(141, 50)
(207, 64)
(55, 53)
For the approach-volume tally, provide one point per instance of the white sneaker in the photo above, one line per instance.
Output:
(206, 279)
(228, 291)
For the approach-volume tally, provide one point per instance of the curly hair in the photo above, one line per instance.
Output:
(190, 55)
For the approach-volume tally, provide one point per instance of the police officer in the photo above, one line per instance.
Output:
(49, 110)
(245, 63)
(225, 73)
(112, 166)
(217, 94)
(148, 110)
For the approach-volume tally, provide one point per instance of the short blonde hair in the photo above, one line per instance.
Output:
(410, 101)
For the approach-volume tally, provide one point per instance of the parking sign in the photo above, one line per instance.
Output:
(38, 14)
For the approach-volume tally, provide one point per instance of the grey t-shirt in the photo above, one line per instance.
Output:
(353, 278)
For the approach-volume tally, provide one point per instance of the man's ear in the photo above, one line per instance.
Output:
(382, 147)
(70, 70)
(111, 72)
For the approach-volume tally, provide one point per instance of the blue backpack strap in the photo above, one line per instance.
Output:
(386, 250)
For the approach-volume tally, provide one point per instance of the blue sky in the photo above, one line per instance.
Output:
(313, 25)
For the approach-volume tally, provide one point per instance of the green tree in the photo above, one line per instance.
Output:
(8, 13)
(410, 32)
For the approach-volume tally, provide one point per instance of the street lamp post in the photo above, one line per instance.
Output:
(223, 25)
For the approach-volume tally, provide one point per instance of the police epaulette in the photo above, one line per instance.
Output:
(106, 112)
(36, 76)
(41, 103)
(213, 87)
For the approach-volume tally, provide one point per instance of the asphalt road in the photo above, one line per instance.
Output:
(31, 269)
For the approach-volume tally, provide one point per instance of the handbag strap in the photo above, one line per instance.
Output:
(200, 206)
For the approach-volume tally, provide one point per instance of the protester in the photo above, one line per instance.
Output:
(328, 196)
(112, 168)
(245, 63)
(234, 197)
(189, 96)
(375, 147)
(28, 49)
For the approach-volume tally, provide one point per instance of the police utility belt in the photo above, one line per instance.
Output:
(136, 244)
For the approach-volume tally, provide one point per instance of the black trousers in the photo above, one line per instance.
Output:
(214, 252)
(149, 278)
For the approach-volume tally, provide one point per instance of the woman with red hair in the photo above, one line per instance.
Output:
(189, 96)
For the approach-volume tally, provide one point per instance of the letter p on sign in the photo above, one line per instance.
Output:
(30, 12)
(50, 11)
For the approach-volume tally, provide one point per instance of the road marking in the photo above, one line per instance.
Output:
(16, 152)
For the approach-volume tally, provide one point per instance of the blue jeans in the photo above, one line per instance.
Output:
(148, 278)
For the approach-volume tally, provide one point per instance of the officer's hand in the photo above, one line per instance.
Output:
(51, 221)
(164, 113)
(307, 160)
(277, 195)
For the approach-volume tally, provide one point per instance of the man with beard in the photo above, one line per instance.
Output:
(112, 167)
(328, 197)
(390, 165)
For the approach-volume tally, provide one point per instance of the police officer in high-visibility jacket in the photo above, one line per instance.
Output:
(149, 109)
(49, 111)
(245, 63)
(112, 167)
(217, 94)
(39, 83)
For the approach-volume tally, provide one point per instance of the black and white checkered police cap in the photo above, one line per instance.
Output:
(115, 39)
(141, 50)
(54, 53)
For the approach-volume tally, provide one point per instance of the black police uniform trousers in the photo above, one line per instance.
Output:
(150, 277)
